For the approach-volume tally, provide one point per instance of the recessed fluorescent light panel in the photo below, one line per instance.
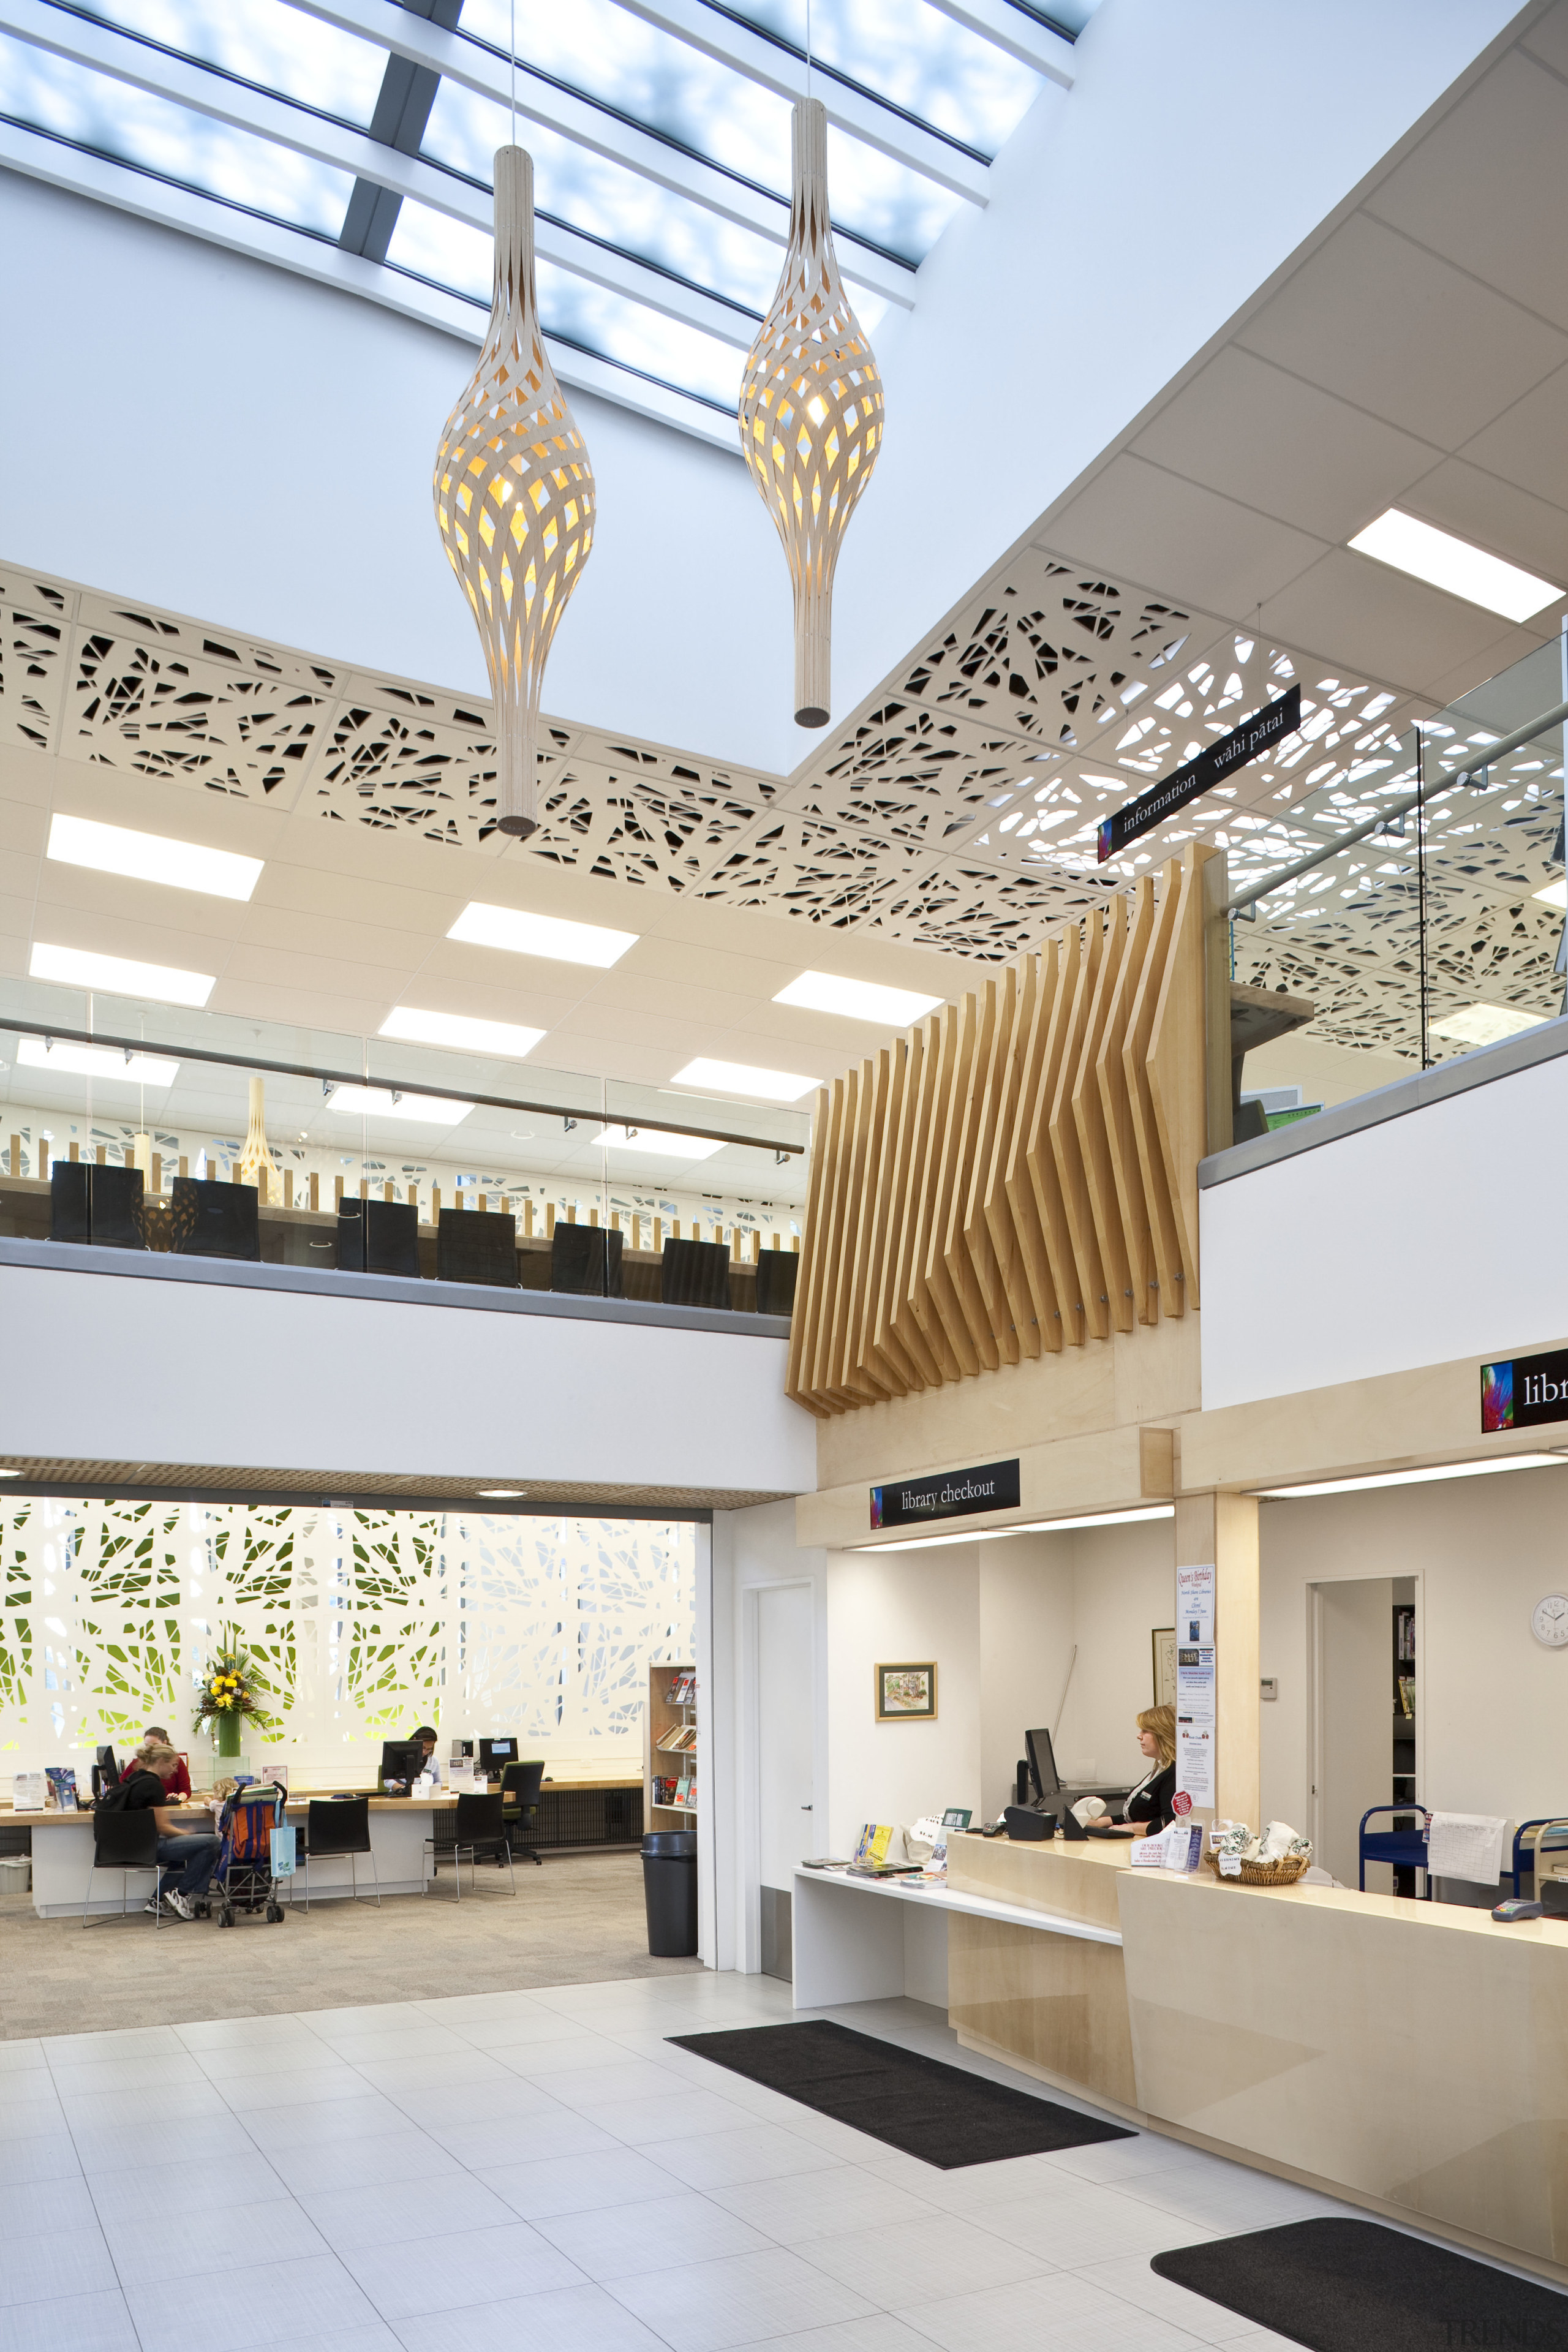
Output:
(502, 1494)
(740, 1078)
(541, 935)
(106, 1064)
(507, 1039)
(1415, 1477)
(859, 999)
(384, 1102)
(1031, 1527)
(657, 1143)
(10, 1473)
(1555, 893)
(119, 976)
(1444, 562)
(152, 857)
(1486, 1024)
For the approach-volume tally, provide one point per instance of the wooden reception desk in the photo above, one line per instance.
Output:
(1410, 2056)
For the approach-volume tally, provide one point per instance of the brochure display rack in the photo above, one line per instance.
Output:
(670, 1747)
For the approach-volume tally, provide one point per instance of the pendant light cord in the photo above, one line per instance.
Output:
(512, 60)
(807, 47)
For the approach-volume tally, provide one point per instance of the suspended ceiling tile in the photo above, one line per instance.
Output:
(208, 925)
(1401, 332)
(1503, 223)
(262, 998)
(1284, 446)
(1363, 612)
(711, 1009)
(1527, 445)
(286, 930)
(1510, 647)
(288, 884)
(1139, 518)
(18, 873)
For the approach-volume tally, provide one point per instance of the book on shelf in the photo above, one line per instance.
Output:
(686, 1792)
(1406, 1693)
(683, 1688)
(876, 1839)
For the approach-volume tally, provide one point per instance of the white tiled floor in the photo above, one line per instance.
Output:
(543, 2170)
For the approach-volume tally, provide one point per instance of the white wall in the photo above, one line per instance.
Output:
(1490, 1702)
(123, 1369)
(885, 1611)
(1430, 1237)
(264, 464)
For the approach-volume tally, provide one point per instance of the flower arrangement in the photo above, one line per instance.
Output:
(232, 1692)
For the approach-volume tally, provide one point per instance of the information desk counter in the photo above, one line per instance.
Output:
(62, 1847)
(1410, 2056)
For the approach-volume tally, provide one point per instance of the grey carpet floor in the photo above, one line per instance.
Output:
(577, 1920)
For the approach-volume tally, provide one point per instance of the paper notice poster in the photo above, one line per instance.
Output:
(28, 1792)
(1195, 1723)
(1194, 1607)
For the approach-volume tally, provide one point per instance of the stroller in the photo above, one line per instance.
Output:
(245, 1879)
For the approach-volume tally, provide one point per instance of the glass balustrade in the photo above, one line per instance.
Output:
(145, 1126)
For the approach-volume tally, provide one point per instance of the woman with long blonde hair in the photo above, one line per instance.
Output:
(1148, 1807)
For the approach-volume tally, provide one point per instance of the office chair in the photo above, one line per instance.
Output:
(776, 1273)
(478, 1827)
(477, 1245)
(224, 1220)
(378, 1237)
(125, 1842)
(519, 1797)
(587, 1259)
(336, 1826)
(696, 1274)
(90, 1203)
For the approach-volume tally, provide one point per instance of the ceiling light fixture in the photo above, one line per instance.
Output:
(858, 1000)
(811, 412)
(514, 497)
(1555, 893)
(740, 1078)
(1444, 562)
(502, 1494)
(1032, 1528)
(10, 1473)
(120, 976)
(468, 1035)
(549, 936)
(657, 1143)
(384, 1102)
(1486, 1024)
(1412, 1477)
(152, 857)
(110, 1063)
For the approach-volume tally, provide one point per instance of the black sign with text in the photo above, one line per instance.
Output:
(1523, 1391)
(1270, 725)
(956, 1495)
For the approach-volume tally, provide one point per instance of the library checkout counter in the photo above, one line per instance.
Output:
(1411, 2057)
(62, 1847)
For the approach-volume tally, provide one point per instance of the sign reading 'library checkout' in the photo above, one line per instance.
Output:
(955, 1495)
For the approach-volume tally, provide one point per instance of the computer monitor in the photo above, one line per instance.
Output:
(402, 1759)
(108, 1769)
(1042, 1763)
(497, 1751)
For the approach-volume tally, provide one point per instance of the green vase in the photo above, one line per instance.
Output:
(228, 1731)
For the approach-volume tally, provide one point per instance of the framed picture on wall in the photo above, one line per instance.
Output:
(1164, 1641)
(906, 1693)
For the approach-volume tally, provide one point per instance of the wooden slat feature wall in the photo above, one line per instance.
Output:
(1019, 1174)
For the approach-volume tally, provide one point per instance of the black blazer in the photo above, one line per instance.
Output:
(1153, 1805)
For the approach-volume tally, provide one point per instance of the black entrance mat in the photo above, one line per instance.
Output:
(1354, 2286)
(941, 2114)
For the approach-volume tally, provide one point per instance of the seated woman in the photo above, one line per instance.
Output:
(1147, 1808)
(179, 1781)
(427, 1739)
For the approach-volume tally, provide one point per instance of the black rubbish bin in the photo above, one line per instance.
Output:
(670, 1891)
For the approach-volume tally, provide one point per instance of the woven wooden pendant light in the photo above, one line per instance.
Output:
(514, 497)
(811, 413)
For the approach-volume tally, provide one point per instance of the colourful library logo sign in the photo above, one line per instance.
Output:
(1525, 1391)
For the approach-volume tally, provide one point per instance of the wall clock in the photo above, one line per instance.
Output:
(1549, 1621)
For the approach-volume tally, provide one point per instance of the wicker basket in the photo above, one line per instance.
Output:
(1283, 1872)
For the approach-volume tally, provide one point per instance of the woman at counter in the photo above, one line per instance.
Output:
(1148, 1807)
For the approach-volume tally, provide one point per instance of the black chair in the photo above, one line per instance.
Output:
(477, 1245)
(477, 1827)
(336, 1826)
(776, 1272)
(586, 1258)
(126, 1841)
(90, 1203)
(218, 1220)
(696, 1274)
(520, 1801)
(378, 1237)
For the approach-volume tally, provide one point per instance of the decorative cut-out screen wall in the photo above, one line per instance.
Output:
(365, 1624)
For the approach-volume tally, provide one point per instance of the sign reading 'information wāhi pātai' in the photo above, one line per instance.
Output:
(1525, 1391)
(955, 1495)
(1267, 726)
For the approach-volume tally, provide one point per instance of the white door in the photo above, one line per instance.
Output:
(1354, 1767)
(786, 1831)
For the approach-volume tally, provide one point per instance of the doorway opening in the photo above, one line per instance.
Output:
(1363, 1720)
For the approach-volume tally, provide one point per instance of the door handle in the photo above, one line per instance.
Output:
(806, 1809)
